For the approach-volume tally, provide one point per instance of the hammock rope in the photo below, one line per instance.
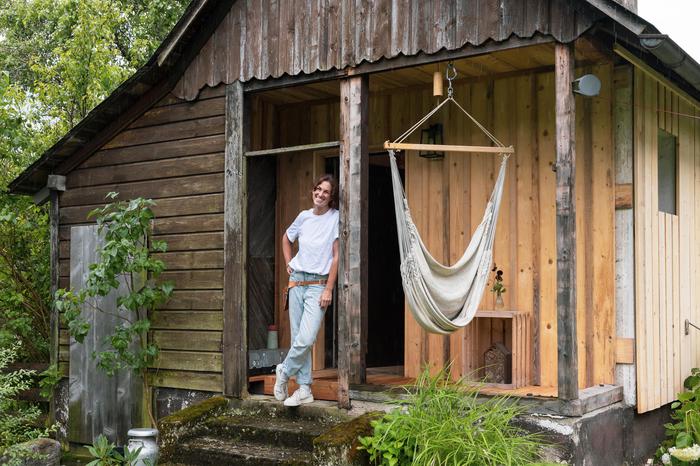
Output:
(442, 298)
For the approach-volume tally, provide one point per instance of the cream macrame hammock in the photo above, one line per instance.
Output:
(444, 299)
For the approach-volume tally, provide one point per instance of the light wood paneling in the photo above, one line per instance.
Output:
(447, 199)
(666, 259)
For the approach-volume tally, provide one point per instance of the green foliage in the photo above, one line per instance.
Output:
(48, 380)
(126, 255)
(106, 454)
(68, 55)
(684, 430)
(444, 423)
(24, 277)
(18, 420)
(58, 59)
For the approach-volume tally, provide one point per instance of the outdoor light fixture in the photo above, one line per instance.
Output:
(588, 85)
(431, 135)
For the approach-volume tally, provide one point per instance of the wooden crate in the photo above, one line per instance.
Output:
(510, 327)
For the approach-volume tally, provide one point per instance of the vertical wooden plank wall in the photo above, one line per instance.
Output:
(448, 197)
(623, 116)
(173, 154)
(666, 251)
(99, 403)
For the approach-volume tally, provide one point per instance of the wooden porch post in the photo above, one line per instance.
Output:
(235, 338)
(352, 270)
(567, 379)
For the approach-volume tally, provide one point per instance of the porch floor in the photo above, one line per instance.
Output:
(325, 385)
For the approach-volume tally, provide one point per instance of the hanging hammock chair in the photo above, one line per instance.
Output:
(443, 299)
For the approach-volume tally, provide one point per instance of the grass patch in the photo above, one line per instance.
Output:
(445, 423)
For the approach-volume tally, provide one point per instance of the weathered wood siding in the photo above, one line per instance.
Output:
(98, 404)
(667, 256)
(174, 155)
(263, 38)
(448, 197)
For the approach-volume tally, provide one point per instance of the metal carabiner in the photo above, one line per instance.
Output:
(450, 68)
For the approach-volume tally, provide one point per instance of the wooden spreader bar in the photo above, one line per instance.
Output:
(449, 148)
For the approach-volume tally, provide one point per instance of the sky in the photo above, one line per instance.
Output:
(677, 18)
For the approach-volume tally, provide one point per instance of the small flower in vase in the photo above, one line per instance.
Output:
(498, 288)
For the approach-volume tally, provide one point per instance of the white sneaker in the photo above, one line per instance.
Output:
(302, 396)
(281, 379)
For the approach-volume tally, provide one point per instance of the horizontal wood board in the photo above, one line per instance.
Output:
(174, 154)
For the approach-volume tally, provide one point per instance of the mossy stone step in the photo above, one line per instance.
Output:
(272, 430)
(218, 451)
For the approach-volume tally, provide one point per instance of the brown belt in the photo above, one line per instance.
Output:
(291, 284)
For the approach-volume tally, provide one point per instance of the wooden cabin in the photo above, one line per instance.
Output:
(245, 103)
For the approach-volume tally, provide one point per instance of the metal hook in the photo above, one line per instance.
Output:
(450, 67)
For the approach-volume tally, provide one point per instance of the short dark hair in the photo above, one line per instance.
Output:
(334, 188)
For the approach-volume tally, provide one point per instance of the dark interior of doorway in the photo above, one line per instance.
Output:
(385, 339)
(385, 335)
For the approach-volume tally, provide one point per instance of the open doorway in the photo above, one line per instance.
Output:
(385, 333)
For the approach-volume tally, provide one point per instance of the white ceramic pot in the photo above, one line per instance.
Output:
(147, 440)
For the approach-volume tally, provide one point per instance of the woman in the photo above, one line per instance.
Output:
(312, 274)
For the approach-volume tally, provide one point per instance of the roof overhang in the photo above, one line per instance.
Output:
(160, 74)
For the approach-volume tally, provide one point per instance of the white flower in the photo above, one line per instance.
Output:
(666, 458)
(686, 454)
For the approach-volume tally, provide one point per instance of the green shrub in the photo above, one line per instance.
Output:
(683, 433)
(445, 423)
(106, 454)
(18, 420)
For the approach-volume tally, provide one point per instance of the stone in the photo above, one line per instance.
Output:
(182, 424)
(40, 452)
(338, 446)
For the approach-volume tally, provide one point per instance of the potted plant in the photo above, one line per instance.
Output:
(498, 287)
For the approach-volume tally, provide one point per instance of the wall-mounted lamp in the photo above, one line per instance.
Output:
(588, 85)
(432, 135)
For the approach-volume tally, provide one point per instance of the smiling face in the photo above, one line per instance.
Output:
(322, 195)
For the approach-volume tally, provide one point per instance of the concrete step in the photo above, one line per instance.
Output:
(220, 451)
(296, 432)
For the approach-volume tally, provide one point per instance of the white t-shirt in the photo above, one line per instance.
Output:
(316, 234)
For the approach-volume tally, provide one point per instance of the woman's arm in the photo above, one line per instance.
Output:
(287, 252)
(327, 295)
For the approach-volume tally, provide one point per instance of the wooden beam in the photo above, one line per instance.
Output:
(301, 148)
(54, 319)
(565, 114)
(235, 351)
(352, 273)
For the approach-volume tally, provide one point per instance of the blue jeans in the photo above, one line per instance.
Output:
(305, 318)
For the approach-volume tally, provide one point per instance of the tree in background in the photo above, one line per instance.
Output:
(58, 60)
